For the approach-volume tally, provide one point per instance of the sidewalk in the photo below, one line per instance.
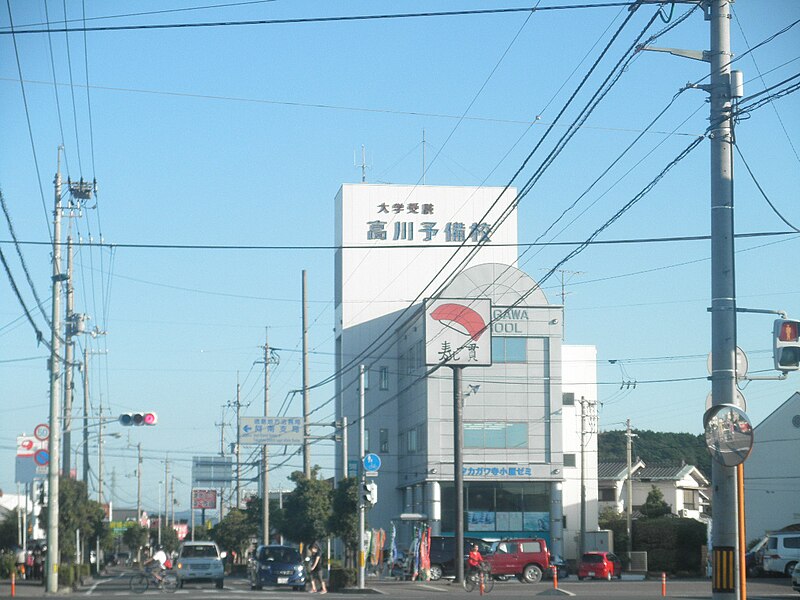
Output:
(26, 588)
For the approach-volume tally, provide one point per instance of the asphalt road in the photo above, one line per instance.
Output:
(115, 586)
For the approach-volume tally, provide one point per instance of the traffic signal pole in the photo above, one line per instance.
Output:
(55, 397)
(725, 581)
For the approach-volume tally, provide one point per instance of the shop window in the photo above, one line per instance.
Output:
(569, 460)
(509, 349)
(384, 378)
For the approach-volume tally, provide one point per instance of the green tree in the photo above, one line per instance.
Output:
(655, 506)
(307, 509)
(234, 532)
(343, 521)
(169, 538)
(135, 538)
(253, 510)
(8, 530)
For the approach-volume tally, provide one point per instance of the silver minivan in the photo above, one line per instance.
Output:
(782, 552)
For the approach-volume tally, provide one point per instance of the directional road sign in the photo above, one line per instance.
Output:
(283, 431)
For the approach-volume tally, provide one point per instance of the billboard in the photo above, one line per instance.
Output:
(204, 499)
(458, 333)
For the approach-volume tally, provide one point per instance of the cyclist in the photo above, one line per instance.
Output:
(157, 563)
(474, 561)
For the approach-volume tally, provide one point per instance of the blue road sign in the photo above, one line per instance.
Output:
(372, 462)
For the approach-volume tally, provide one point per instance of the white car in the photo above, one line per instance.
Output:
(200, 561)
(796, 578)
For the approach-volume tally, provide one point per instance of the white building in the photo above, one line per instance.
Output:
(522, 417)
(772, 472)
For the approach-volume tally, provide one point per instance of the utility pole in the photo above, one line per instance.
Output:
(584, 432)
(221, 426)
(723, 294)
(629, 502)
(139, 485)
(159, 508)
(306, 404)
(69, 348)
(345, 466)
(86, 416)
(238, 445)
(269, 358)
(166, 495)
(55, 396)
(100, 458)
(172, 498)
(361, 479)
(458, 467)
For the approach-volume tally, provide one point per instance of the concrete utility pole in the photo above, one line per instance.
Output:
(139, 485)
(269, 358)
(69, 348)
(55, 396)
(166, 495)
(629, 488)
(458, 468)
(86, 415)
(361, 479)
(725, 582)
(306, 404)
(238, 444)
(345, 466)
(100, 459)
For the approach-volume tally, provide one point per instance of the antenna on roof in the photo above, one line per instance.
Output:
(364, 166)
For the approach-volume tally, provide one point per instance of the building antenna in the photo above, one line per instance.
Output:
(364, 166)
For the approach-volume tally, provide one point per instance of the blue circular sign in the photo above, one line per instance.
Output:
(41, 457)
(372, 462)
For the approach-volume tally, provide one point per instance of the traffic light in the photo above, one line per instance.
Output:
(786, 337)
(138, 419)
(369, 493)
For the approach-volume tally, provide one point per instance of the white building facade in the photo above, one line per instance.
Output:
(399, 245)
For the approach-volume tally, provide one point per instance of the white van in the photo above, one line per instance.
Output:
(782, 552)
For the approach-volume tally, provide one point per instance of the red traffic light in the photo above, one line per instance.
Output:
(138, 419)
(788, 331)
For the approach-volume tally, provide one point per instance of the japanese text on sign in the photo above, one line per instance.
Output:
(271, 430)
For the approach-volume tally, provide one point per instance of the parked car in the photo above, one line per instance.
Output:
(754, 559)
(276, 565)
(782, 552)
(600, 565)
(442, 554)
(525, 558)
(200, 561)
(796, 578)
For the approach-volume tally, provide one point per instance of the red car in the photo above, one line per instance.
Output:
(600, 565)
(525, 558)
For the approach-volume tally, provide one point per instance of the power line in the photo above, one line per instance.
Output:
(335, 19)
(761, 189)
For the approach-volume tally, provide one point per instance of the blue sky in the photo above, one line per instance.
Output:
(241, 135)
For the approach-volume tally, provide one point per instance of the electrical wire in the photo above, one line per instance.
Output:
(28, 119)
(334, 19)
(72, 91)
(761, 189)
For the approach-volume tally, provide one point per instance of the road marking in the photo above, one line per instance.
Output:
(431, 587)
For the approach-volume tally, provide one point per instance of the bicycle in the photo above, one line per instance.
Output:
(140, 582)
(481, 578)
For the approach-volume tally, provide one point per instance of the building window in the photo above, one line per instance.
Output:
(412, 440)
(366, 378)
(384, 378)
(479, 434)
(569, 460)
(568, 399)
(607, 495)
(384, 433)
(690, 499)
(509, 349)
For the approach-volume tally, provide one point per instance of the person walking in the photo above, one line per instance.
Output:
(315, 567)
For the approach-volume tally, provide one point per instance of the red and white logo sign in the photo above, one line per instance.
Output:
(457, 332)
(204, 499)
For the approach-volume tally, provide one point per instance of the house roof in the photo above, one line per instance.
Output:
(641, 472)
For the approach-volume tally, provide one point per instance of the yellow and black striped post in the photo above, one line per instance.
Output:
(724, 569)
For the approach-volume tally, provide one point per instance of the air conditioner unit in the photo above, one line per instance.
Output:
(683, 513)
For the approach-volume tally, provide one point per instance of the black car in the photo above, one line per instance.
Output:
(277, 566)
(442, 554)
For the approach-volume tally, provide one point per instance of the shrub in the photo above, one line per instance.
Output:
(341, 578)
(66, 576)
(672, 545)
(6, 564)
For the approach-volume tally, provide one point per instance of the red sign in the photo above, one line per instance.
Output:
(204, 499)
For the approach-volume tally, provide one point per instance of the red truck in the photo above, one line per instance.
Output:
(525, 558)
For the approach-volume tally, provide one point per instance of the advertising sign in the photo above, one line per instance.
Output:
(212, 471)
(457, 332)
(32, 458)
(204, 499)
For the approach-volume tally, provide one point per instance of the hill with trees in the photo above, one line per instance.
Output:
(656, 448)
